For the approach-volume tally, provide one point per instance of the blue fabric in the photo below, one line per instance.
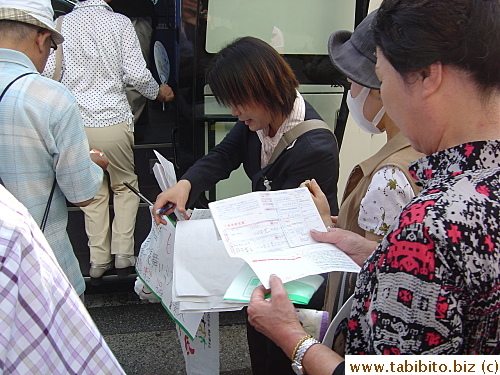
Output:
(42, 138)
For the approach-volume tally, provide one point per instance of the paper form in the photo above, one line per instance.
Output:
(165, 175)
(200, 213)
(271, 232)
(155, 267)
(168, 168)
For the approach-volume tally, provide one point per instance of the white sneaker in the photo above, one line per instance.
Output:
(97, 270)
(124, 264)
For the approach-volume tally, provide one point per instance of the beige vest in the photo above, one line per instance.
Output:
(396, 152)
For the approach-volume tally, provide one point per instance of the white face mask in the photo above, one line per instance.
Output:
(356, 106)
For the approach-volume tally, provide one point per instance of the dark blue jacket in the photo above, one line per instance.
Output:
(314, 155)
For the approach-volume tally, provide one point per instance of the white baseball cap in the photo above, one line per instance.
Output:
(34, 12)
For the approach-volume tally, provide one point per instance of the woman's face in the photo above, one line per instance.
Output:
(255, 116)
(373, 104)
(400, 100)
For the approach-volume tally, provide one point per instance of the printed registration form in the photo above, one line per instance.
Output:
(271, 231)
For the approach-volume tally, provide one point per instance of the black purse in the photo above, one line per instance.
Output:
(47, 208)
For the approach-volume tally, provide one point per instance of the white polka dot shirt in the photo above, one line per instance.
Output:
(101, 55)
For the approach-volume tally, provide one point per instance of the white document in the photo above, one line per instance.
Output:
(168, 168)
(203, 269)
(160, 176)
(200, 213)
(165, 175)
(271, 231)
(155, 267)
(192, 307)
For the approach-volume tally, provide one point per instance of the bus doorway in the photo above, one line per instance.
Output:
(192, 32)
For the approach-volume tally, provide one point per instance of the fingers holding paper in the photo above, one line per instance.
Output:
(357, 247)
(320, 201)
(170, 199)
(275, 318)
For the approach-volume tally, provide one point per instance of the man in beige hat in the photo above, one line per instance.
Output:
(43, 146)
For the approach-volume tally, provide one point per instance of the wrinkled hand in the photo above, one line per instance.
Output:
(320, 200)
(357, 247)
(177, 195)
(100, 159)
(275, 318)
(165, 93)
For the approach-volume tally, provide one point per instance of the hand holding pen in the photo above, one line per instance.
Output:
(160, 211)
(174, 198)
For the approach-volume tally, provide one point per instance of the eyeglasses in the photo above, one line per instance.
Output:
(53, 44)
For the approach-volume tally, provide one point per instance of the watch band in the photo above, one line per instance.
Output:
(299, 355)
(299, 344)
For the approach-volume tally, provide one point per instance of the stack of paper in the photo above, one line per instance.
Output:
(199, 264)
(203, 270)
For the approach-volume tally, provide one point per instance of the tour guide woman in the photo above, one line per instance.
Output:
(249, 76)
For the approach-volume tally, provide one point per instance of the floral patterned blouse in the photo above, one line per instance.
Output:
(388, 193)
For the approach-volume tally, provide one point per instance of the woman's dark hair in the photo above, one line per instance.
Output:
(465, 34)
(250, 71)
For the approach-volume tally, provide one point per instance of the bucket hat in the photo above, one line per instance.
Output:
(34, 12)
(353, 53)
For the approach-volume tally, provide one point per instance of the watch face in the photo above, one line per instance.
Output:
(297, 368)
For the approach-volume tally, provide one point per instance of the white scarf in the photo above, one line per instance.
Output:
(269, 143)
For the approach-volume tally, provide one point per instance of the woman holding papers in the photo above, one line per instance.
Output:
(249, 76)
(432, 285)
(256, 82)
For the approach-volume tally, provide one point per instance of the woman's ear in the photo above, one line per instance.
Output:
(431, 78)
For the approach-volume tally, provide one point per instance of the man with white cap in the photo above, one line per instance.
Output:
(42, 141)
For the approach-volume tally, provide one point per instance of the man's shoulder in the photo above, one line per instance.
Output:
(47, 83)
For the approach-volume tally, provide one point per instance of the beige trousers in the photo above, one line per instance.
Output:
(117, 143)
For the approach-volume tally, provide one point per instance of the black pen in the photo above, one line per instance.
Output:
(138, 193)
(146, 200)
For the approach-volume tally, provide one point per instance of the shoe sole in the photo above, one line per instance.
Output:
(124, 272)
(95, 281)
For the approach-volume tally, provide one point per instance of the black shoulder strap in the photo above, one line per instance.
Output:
(47, 208)
(10, 84)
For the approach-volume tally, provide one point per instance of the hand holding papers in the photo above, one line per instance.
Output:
(300, 291)
(165, 175)
(271, 232)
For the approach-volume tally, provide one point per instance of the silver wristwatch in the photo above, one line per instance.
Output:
(297, 361)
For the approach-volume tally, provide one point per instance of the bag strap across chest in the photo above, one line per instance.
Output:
(294, 133)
